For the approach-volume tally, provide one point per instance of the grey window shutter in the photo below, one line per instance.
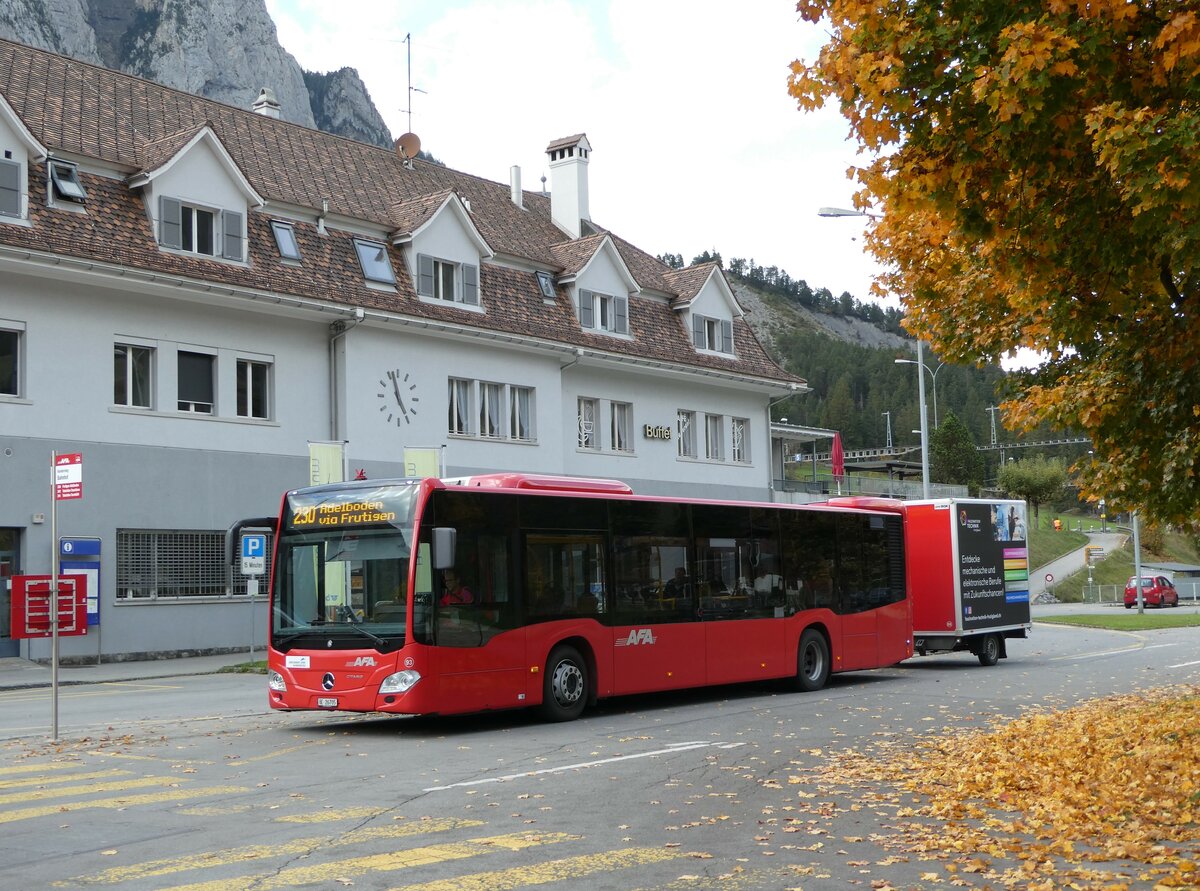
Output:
(698, 331)
(10, 188)
(231, 231)
(586, 308)
(170, 222)
(622, 313)
(470, 284)
(424, 275)
(726, 336)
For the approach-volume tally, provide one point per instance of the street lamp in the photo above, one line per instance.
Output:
(924, 419)
(933, 374)
(843, 212)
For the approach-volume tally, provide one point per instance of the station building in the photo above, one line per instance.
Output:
(194, 297)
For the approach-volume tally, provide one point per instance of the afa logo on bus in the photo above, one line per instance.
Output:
(637, 636)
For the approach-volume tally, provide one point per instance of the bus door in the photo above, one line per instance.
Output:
(471, 618)
(658, 642)
(855, 600)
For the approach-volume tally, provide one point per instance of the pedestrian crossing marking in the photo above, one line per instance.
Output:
(339, 870)
(31, 813)
(62, 778)
(550, 871)
(34, 768)
(87, 789)
(248, 853)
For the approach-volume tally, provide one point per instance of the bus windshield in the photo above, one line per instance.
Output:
(341, 570)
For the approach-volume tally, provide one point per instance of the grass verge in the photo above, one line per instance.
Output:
(1128, 621)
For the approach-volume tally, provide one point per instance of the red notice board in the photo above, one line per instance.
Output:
(31, 605)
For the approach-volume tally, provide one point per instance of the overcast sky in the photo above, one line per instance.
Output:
(695, 142)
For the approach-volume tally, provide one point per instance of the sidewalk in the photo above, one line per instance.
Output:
(16, 674)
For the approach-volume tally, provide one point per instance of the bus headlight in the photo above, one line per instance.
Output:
(276, 682)
(400, 682)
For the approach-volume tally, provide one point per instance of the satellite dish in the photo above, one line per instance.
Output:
(408, 145)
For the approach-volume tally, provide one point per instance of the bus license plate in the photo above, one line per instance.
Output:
(326, 702)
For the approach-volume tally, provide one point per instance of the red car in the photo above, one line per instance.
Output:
(1157, 590)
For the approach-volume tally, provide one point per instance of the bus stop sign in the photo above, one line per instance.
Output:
(254, 554)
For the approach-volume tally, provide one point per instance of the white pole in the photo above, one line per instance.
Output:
(1137, 563)
(53, 596)
(924, 422)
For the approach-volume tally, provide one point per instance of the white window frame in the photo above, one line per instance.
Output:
(17, 171)
(603, 312)
(622, 426)
(18, 341)
(712, 334)
(587, 433)
(128, 354)
(685, 425)
(714, 437)
(447, 281)
(459, 398)
(521, 414)
(739, 430)
(196, 406)
(491, 408)
(248, 405)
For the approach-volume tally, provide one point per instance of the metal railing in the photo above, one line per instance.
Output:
(1189, 593)
(873, 486)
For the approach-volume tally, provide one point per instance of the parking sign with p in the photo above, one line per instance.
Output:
(254, 554)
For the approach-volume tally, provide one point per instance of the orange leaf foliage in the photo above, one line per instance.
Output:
(1035, 165)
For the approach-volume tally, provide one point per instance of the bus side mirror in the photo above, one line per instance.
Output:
(445, 539)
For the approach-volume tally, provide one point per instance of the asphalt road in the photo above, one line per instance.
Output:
(191, 783)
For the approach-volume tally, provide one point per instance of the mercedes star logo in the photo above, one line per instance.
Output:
(327, 681)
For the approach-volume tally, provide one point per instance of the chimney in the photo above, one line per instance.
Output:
(266, 104)
(569, 182)
(514, 185)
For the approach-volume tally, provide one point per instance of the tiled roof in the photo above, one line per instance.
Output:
(686, 283)
(135, 125)
(564, 142)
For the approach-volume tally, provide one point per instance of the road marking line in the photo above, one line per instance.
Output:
(340, 870)
(34, 768)
(550, 871)
(1076, 658)
(30, 813)
(62, 778)
(670, 750)
(88, 789)
(248, 853)
(1185, 664)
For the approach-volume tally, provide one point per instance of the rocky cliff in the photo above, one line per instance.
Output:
(225, 50)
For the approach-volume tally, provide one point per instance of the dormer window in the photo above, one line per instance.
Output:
(10, 188)
(712, 334)
(546, 285)
(439, 279)
(604, 312)
(374, 260)
(64, 181)
(191, 228)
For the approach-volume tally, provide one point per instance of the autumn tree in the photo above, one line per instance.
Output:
(1037, 480)
(1034, 169)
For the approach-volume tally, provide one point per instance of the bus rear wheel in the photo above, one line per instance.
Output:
(565, 685)
(812, 661)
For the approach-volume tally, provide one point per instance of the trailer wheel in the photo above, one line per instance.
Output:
(989, 650)
(812, 661)
(565, 685)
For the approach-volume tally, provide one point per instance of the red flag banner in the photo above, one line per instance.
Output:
(838, 457)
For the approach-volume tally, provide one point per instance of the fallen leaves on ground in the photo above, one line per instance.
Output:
(1101, 795)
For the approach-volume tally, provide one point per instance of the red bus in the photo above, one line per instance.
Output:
(427, 596)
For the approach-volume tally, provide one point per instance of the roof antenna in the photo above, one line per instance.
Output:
(411, 88)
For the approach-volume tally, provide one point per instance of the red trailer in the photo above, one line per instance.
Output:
(967, 571)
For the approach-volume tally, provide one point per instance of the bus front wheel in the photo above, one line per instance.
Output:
(812, 661)
(565, 685)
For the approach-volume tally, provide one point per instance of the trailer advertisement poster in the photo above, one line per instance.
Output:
(993, 563)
